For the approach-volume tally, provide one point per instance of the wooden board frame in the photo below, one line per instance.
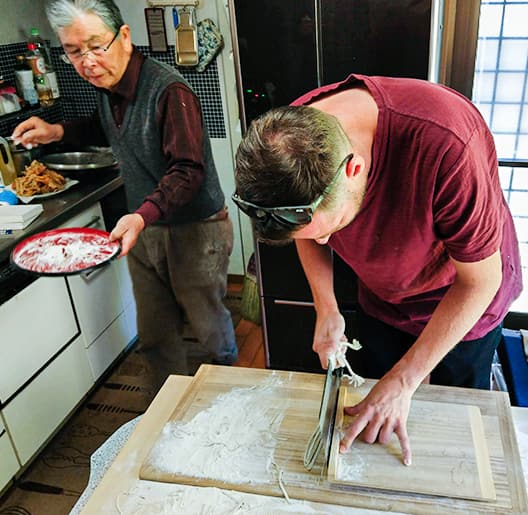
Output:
(498, 428)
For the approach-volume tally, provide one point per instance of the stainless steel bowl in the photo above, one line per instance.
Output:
(83, 166)
(67, 161)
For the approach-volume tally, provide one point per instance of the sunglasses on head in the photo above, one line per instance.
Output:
(289, 215)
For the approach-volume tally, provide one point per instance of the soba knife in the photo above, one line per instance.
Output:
(329, 406)
(322, 436)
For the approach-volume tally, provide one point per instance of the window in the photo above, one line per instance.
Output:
(500, 91)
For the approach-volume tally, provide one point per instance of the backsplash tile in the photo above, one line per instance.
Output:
(78, 96)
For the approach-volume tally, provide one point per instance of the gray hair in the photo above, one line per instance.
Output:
(62, 13)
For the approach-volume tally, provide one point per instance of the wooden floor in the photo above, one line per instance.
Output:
(249, 339)
(250, 345)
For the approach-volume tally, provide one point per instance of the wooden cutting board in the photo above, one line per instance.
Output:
(246, 430)
(450, 452)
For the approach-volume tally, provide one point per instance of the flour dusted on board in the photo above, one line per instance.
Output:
(233, 440)
(153, 498)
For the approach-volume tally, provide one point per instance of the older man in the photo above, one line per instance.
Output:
(178, 234)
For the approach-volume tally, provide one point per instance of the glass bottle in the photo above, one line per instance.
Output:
(38, 67)
(24, 81)
(45, 51)
(41, 45)
(43, 90)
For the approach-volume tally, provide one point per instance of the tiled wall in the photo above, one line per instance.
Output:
(9, 121)
(78, 96)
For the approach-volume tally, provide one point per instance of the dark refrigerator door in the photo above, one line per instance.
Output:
(375, 37)
(281, 273)
(282, 276)
(289, 335)
(278, 46)
(276, 41)
(288, 312)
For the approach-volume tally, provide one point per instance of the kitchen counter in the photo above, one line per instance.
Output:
(59, 208)
(47, 369)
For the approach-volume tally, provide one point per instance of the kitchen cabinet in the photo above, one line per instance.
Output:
(103, 302)
(36, 324)
(8, 461)
(59, 335)
(39, 409)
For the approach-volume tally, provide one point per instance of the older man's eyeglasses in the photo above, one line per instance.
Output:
(289, 215)
(77, 56)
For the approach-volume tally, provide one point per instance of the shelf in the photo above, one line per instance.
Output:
(174, 3)
(52, 114)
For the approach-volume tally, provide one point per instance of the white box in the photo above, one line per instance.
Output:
(18, 217)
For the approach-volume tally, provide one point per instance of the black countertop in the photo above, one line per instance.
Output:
(60, 208)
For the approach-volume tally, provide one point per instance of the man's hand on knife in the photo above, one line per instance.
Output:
(382, 412)
(329, 332)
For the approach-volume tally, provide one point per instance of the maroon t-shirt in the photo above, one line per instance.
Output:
(433, 191)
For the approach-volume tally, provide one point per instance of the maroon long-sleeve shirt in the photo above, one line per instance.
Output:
(180, 121)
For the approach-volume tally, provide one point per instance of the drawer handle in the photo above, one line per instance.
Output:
(88, 276)
(294, 303)
(94, 221)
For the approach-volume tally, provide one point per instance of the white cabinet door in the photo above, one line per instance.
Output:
(97, 300)
(96, 295)
(104, 303)
(34, 414)
(8, 461)
(105, 349)
(34, 325)
(127, 294)
(125, 281)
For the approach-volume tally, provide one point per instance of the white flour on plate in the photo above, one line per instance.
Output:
(53, 254)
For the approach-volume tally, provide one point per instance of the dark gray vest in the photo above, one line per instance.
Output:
(137, 147)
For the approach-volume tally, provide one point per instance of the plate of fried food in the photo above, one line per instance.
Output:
(38, 181)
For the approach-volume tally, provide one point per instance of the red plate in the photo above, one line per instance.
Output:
(65, 251)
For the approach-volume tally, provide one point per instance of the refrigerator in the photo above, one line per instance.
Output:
(282, 49)
(287, 47)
